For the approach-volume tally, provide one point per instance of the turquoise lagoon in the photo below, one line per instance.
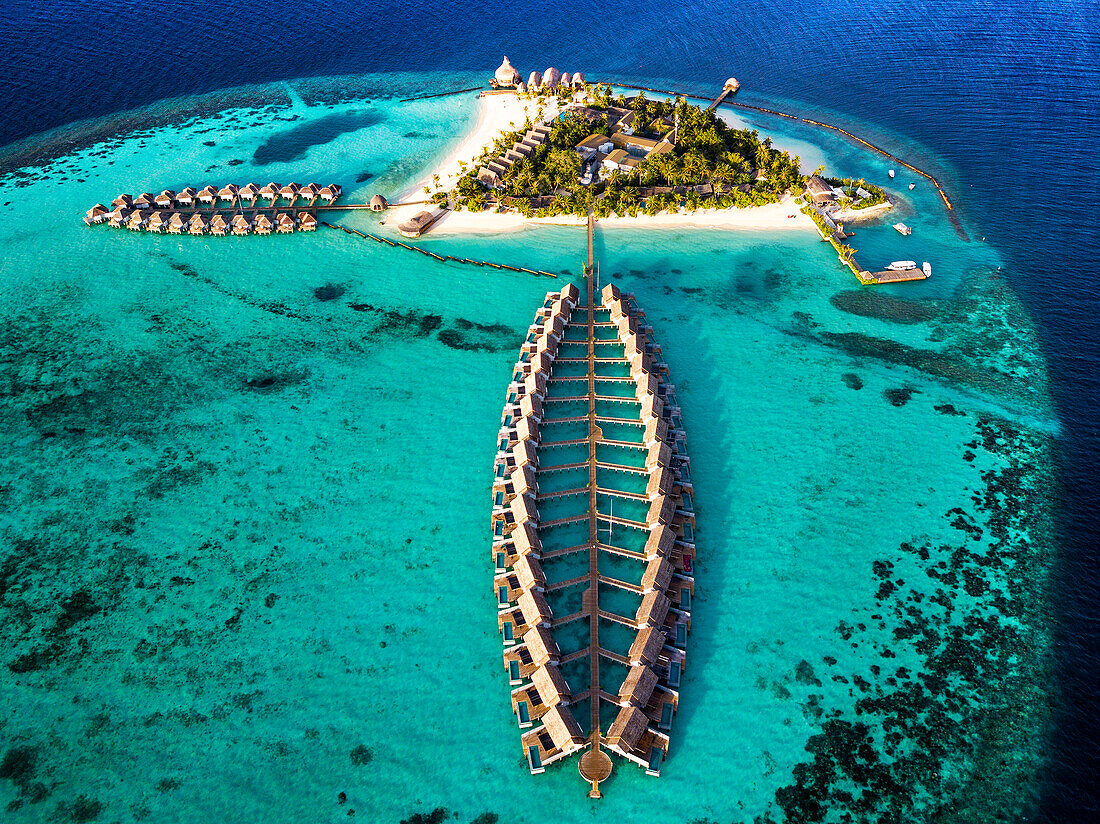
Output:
(246, 497)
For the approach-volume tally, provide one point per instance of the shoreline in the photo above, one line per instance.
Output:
(496, 114)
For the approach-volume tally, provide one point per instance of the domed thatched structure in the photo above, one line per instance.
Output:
(378, 203)
(550, 78)
(506, 75)
(732, 85)
(566, 80)
(535, 80)
(578, 80)
(521, 87)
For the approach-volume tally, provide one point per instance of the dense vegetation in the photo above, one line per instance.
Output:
(743, 169)
(852, 199)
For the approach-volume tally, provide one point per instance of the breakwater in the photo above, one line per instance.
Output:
(440, 258)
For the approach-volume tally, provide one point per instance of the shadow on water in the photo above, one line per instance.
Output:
(293, 144)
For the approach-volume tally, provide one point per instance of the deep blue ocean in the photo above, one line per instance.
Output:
(1007, 92)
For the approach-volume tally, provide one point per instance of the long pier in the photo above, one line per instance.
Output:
(440, 258)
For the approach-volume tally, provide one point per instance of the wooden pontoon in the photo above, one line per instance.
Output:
(593, 526)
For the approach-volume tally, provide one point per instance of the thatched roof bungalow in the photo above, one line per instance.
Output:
(122, 200)
(284, 223)
(309, 192)
(307, 222)
(145, 200)
(208, 194)
(241, 224)
(249, 192)
(156, 222)
(164, 199)
(331, 192)
(417, 224)
(176, 224)
(197, 224)
(270, 192)
(378, 203)
(229, 192)
(637, 687)
(506, 74)
(647, 646)
(550, 78)
(219, 225)
(97, 214)
(534, 80)
(290, 192)
(262, 224)
(542, 646)
(137, 219)
(626, 730)
(187, 196)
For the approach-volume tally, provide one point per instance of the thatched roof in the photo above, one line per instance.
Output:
(270, 190)
(525, 539)
(96, 212)
(609, 293)
(534, 80)
(524, 452)
(306, 219)
(240, 219)
(550, 78)
(661, 510)
(563, 727)
(541, 644)
(250, 190)
(578, 80)
(653, 609)
(176, 221)
(187, 192)
(647, 646)
(529, 572)
(731, 85)
(506, 74)
(122, 200)
(523, 509)
(523, 479)
(283, 219)
(378, 203)
(289, 190)
(230, 190)
(627, 728)
(638, 686)
(331, 192)
(552, 686)
(532, 604)
(660, 541)
(208, 192)
(310, 190)
(262, 221)
(196, 223)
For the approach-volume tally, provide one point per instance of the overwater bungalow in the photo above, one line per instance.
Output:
(197, 224)
(309, 192)
(270, 192)
(330, 193)
(97, 214)
(290, 192)
(262, 225)
(157, 222)
(186, 197)
(378, 203)
(241, 224)
(307, 222)
(284, 223)
(118, 217)
(219, 225)
(138, 218)
(123, 200)
(417, 224)
(506, 75)
(176, 224)
(659, 619)
(165, 199)
(228, 193)
(207, 195)
(145, 200)
(249, 192)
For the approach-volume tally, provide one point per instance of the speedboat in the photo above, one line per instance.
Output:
(891, 173)
(911, 186)
(902, 265)
(927, 267)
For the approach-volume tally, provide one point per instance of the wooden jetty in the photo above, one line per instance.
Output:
(593, 540)
(892, 275)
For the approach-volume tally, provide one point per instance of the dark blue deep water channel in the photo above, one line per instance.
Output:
(1008, 92)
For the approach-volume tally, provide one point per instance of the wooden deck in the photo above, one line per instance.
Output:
(893, 276)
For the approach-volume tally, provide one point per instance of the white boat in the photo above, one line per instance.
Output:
(903, 229)
(927, 267)
(891, 173)
(911, 186)
(902, 265)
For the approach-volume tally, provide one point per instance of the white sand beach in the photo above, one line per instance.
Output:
(499, 113)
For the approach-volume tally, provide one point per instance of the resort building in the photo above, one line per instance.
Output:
(820, 192)
(378, 204)
(156, 223)
(197, 224)
(331, 192)
(207, 195)
(241, 224)
(165, 199)
(492, 173)
(219, 226)
(186, 197)
(307, 222)
(97, 214)
(176, 224)
(228, 193)
(284, 223)
(262, 225)
(505, 76)
(270, 192)
(249, 192)
(595, 143)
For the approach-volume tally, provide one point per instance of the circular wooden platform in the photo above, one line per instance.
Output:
(595, 765)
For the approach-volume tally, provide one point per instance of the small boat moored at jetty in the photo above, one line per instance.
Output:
(927, 269)
(593, 537)
(902, 229)
(902, 265)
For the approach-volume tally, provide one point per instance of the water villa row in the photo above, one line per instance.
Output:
(593, 537)
(212, 197)
(199, 223)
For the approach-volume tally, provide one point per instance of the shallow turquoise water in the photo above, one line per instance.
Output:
(248, 564)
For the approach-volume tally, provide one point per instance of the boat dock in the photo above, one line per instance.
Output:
(892, 275)
(593, 536)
